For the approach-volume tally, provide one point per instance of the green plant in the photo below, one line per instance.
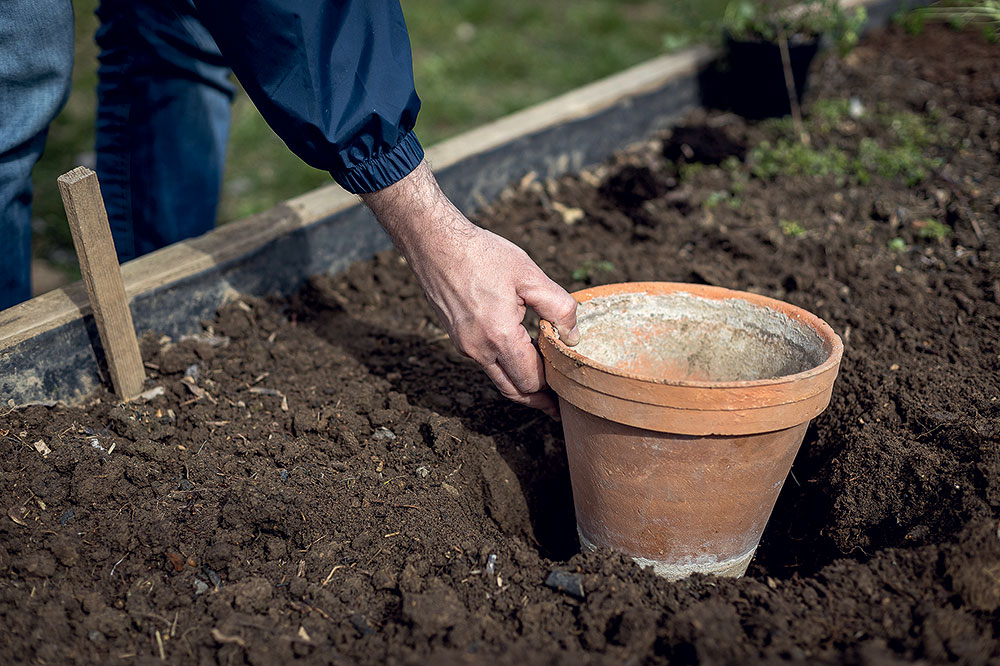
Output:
(715, 198)
(769, 21)
(901, 154)
(897, 245)
(688, 170)
(932, 229)
(909, 20)
(722, 196)
(985, 13)
(792, 229)
(589, 268)
(769, 160)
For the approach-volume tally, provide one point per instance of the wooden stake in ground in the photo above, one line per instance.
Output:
(88, 221)
(793, 93)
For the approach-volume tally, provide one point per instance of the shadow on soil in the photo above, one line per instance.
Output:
(433, 376)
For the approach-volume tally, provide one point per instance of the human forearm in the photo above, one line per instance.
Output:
(478, 282)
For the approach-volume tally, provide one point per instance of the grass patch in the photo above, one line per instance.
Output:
(789, 157)
(901, 154)
(474, 61)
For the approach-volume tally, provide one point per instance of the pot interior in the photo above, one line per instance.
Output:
(681, 337)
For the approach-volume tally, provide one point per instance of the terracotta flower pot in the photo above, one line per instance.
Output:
(683, 407)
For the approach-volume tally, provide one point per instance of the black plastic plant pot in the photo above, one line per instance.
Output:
(756, 78)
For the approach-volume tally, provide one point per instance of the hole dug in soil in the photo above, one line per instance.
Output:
(325, 480)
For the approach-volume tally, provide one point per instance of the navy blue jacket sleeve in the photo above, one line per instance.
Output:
(333, 78)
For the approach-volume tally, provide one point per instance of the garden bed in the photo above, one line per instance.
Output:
(324, 478)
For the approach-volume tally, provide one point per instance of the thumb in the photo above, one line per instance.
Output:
(554, 304)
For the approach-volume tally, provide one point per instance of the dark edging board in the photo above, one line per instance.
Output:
(49, 350)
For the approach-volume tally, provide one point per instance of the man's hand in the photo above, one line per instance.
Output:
(479, 284)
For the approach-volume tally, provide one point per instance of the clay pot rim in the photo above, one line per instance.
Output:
(832, 343)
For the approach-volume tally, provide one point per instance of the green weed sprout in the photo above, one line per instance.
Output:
(792, 229)
(589, 268)
(932, 229)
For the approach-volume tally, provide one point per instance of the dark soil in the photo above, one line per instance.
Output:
(334, 484)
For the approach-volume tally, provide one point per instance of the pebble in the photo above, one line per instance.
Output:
(567, 583)
(383, 433)
(361, 624)
(422, 472)
(284, 475)
(200, 586)
(67, 516)
(212, 576)
(184, 484)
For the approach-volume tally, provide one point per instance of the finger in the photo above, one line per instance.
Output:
(554, 304)
(521, 363)
(539, 400)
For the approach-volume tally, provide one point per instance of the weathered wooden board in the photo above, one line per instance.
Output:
(48, 345)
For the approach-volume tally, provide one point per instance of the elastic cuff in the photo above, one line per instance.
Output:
(383, 170)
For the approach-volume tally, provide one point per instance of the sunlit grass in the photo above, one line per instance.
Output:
(474, 61)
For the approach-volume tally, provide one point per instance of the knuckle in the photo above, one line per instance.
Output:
(565, 308)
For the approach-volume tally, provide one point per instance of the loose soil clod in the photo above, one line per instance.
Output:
(886, 550)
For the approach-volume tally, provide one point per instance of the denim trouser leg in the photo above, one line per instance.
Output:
(162, 122)
(36, 64)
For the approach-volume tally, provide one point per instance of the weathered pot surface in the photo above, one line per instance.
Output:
(683, 408)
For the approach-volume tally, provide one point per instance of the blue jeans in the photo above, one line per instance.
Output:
(163, 114)
(162, 121)
(36, 63)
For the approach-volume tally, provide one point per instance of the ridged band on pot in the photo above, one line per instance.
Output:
(693, 407)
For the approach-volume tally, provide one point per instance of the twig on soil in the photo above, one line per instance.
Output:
(408, 506)
(313, 543)
(159, 644)
(274, 392)
(223, 638)
(329, 576)
(377, 553)
(117, 563)
(318, 611)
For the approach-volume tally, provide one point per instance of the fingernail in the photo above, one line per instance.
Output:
(573, 337)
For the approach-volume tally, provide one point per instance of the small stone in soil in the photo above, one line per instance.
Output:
(212, 576)
(284, 475)
(568, 583)
(184, 484)
(422, 472)
(200, 586)
(65, 518)
(361, 624)
(383, 433)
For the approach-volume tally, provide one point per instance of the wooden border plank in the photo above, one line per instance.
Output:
(325, 230)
